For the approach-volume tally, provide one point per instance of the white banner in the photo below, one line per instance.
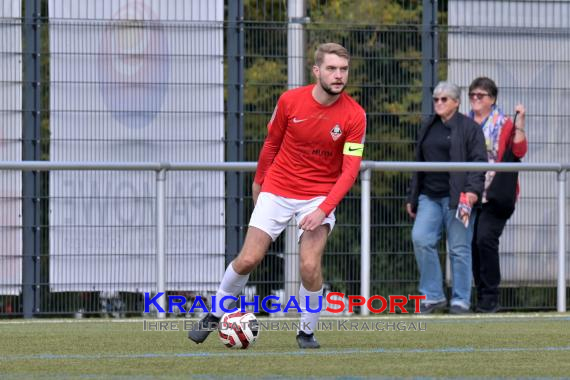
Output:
(529, 68)
(132, 80)
(10, 147)
(11, 9)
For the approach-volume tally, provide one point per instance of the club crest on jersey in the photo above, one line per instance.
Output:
(336, 132)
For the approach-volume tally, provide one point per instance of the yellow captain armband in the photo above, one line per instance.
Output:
(353, 149)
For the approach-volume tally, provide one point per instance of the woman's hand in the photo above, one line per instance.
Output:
(472, 197)
(411, 213)
(519, 123)
(520, 134)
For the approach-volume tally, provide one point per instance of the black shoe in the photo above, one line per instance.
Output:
(428, 308)
(307, 340)
(458, 309)
(203, 328)
(487, 306)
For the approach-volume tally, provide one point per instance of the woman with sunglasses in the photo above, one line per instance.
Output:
(433, 199)
(491, 220)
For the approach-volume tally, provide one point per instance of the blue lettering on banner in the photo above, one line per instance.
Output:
(274, 308)
(152, 301)
(198, 303)
(224, 309)
(292, 303)
(318, 309)
(178, 301)
(254, 303)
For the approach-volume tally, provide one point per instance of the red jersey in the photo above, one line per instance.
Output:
(312, 150)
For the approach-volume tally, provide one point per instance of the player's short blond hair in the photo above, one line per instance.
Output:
(330, 48)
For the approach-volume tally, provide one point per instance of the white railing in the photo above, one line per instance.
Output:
(160, 168)
(368, 166)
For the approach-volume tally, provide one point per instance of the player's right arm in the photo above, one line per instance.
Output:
(275, 134)
(255, 191)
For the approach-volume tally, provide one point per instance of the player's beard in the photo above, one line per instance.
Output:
(328, 89)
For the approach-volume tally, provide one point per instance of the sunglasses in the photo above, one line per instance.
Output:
(443, 99)
(477, 95)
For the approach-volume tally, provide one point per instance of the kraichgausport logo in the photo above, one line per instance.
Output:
(286, 325)
(273, 304)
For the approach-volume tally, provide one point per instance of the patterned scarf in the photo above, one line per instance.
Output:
(492, 127)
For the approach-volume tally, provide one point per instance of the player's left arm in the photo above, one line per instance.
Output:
(352, 156)
(350, 167)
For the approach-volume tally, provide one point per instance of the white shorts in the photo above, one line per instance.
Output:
(272, 213)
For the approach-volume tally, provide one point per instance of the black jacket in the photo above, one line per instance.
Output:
(467, 145)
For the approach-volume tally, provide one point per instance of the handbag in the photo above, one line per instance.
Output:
(502, 192)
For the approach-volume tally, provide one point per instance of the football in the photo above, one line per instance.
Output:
(238, 330)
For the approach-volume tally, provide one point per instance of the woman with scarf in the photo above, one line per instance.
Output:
(491, 220)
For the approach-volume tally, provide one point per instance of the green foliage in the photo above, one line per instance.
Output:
(265, 10)
(265, 78)
(380, 12)
(263, 72)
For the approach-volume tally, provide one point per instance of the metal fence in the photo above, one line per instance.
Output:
(158, 261)
(179, 81)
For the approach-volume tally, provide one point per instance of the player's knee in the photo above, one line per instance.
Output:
(310, 270)
(245, 264)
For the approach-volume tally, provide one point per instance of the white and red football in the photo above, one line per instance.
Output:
(238, 330)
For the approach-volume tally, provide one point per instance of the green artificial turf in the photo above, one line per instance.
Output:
(504, 345)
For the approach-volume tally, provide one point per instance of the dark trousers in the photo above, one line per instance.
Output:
(485, 254)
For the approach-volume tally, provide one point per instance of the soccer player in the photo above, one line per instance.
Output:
(309, 161)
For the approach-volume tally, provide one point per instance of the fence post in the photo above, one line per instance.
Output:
(296, 43)
(234, 132)
(31, 152)
(561, 293)
(429, 53)
(160, 227)
(365, 227)
(295, 78)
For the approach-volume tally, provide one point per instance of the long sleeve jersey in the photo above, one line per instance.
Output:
(312, 150)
